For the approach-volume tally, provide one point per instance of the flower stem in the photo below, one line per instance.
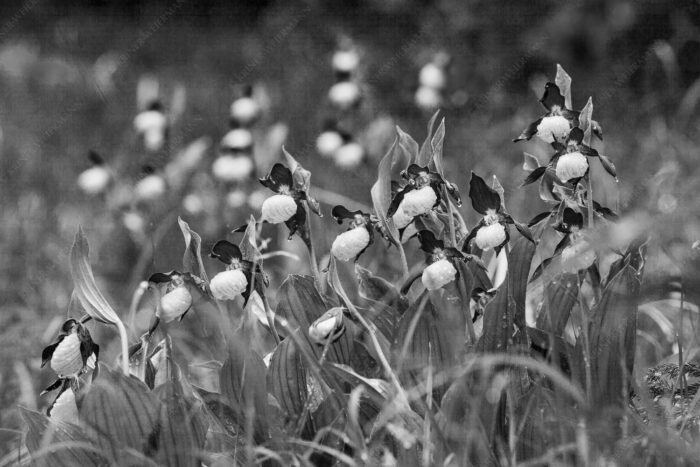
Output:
(404, 263)
(125, 346)
(450, 212)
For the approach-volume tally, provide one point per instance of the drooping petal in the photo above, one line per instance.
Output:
(47, 353)
(340, 213)
(552, 97)
(570, 219)
(226, 252)
(279, 176)
(529, 132)
(428, 242)
(483, 196)
(534, 175)
(608, 165)
(297, 221)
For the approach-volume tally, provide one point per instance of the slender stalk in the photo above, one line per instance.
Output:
(465, 303)
(450, 212)
(590, 201)
(312, 253)
(404, 262)
(271, 320)
(125, 346)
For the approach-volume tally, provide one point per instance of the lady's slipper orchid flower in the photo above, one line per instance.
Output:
(441, 268)
(238, 277)
(64, 408)
(152, 125)
(350, 244)
(345, 94)
(422, 192)
(177, 300)
(151, 187)
(492, 230)
(345, 61)
(349, 155)
(554, 126)
(245, 110)
(285, 206)
(570, 162)
(329, 327)
(69, 355)
(94, 180)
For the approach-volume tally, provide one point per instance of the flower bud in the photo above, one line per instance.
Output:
(571, 165)
(438, 274)
(348, 245)
(328, 326)
(245, 110)
(94, 180)
(328, 143)
(400, 218)
(64, 408)
(227, 285)
(67, 360)
(432, 76)
(345, 61)
(174, 304)
(150, 120)
(344, 94)
(349, 155)
(237, 139)
(490, 236)
(230, 169)
(278, 208)
(419, 202)
(553, 127)
(578, 256)
(150, 188)
(428, 99)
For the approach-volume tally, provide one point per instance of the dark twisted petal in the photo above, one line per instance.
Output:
(529, 132)
(538, 218)
(162, 277)
(340, 213)
(608, 165)
(569, 220)
(428, 242)
(472, 234)
(279, 176)
(483, 196)
(552, 97)
(226, 252)
(47, 353)
(398, 197)
(498, 248)
(575, 135)
(607, 213)
(297, 221)
(571, 115)
(415, 170)
(534, 175)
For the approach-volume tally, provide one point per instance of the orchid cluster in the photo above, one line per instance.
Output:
(342, 362)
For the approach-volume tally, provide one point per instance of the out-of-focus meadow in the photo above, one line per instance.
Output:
(68, 85)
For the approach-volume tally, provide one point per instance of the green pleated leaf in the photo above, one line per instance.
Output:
(560, 296)
(192, 259)
(563, 82)
(436, 143)
(123, 413)
(378, 289)
(243, 384)
(429, 336)
(613, 332)
(381, 190)
(86, 289)
(286, 379)
(407, 145)
(182, 428)
(504, 316)
(52, 444)
(426, 149)
(301, 303)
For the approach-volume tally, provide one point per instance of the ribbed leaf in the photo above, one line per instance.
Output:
(504, 316)
(286, 378)
(192, 259)
(408, 146)
(613, 333)
(182, 428)
(426, 149)
(436, 144)
(86, 289)
(563, 81)
(381, 190)
(560, 296)
(302, 304)
(123, 412)
(53, 444)
(378, 289)
(243, 384)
